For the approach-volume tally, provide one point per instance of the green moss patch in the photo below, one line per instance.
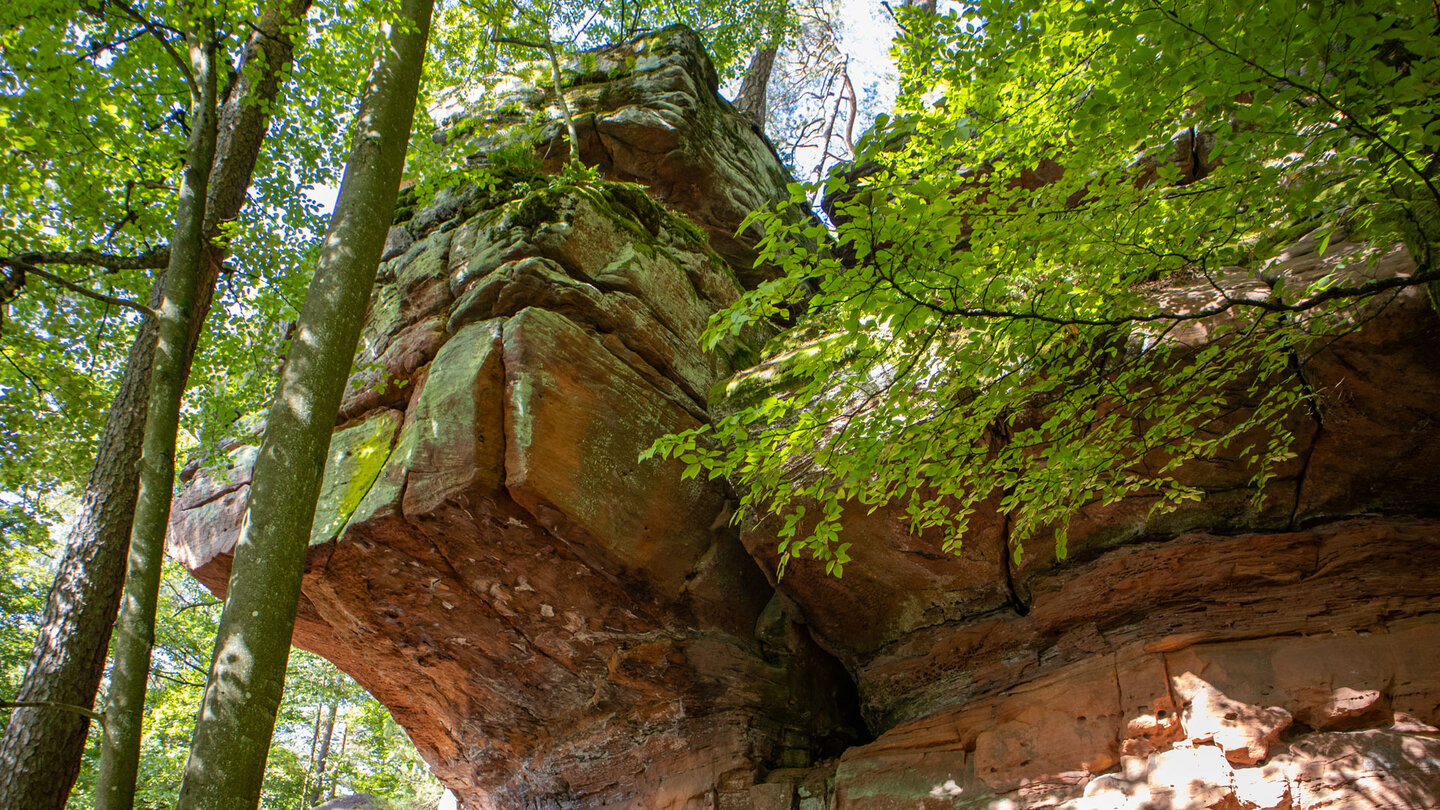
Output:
(357, 455)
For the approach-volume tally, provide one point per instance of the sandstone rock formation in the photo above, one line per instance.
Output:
(558, 624)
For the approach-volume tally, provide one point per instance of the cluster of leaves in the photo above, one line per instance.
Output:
(24, 574)
(92, 136)
(95, 92)
(986, 326)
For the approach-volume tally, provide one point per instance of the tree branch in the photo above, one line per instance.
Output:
(164, 43)
(1369, 288)
(1335, 106)
(23, 373)
(549, 49)
(152, 259)
(46, 704)
(23, 268)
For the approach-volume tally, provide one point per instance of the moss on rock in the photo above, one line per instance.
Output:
(357, 455)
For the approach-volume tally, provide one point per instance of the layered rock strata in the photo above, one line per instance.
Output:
(1117, 678)
(559, 624)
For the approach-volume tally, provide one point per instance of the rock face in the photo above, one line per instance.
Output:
(558, 624)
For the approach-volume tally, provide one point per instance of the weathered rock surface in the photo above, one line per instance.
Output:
(1220, 642)
(358, 801)
(558, 624)
(648, 112)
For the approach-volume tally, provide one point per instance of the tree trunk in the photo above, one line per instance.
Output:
(41, 748)
(751, 102)
(326, 734)
(314, 744)
(125, 711)
(334, 780)
(247, 671)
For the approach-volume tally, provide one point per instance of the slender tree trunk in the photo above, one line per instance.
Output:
(756, 82)
(314, 744)
(751, 102)
(247, 673)
(334, 780)
(41, 749)
(125, 710)
(326, 734)
(843, 89)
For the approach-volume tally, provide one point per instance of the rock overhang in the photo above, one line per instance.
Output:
(551, 620)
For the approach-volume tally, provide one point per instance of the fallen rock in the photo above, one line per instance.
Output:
(1364, 770)
(1265, 788)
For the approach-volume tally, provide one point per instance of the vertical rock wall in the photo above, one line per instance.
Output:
(558, 624)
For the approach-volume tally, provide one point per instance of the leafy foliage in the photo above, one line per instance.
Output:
(93, 123)
(24, 572)
(93, 116)
(988, 320)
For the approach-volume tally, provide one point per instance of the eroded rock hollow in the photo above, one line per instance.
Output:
(558, 624)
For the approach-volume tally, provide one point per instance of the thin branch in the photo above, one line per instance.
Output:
(46, 704)
(1355, 121)
(192, 606)
(95, 49)
(164, 676)
(549, 49)
(23, 373)
(30, 269)
(153, 259)
(164, 43)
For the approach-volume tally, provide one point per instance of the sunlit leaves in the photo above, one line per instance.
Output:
(985, 328)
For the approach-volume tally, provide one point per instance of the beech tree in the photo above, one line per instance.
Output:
(130, 672)
(247, 674)
(982, 327)
(43, 741)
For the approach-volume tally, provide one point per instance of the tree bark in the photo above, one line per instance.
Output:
(125, 710)
(751, 102)
(41, 748)
(247, 672)
(334, 780)
(314, 744)
(326, 733)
